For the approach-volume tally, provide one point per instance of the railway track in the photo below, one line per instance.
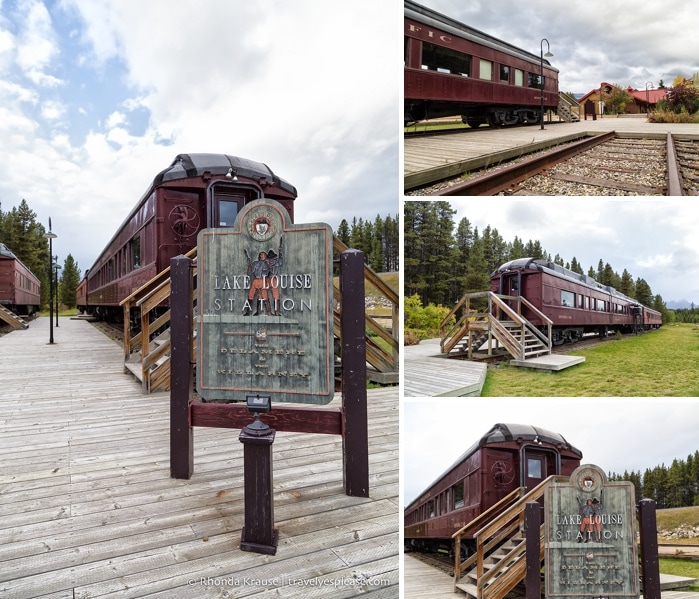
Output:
(601, 165)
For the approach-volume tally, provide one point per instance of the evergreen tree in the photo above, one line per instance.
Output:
(343, 232)
(70, 279)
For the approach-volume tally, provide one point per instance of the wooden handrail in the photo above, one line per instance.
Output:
(499, 523)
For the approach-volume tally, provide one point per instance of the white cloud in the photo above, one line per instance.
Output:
(310, 88)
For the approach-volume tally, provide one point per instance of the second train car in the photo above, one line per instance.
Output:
(453, 69)
(577, 304)
(508, 456)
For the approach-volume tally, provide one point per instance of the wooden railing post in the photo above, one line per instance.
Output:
(181, 333)
(354, 395)
(532, 523)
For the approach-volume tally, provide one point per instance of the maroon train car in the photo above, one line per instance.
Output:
(453, 69)
(196, 191)
(577, 304)
(20, 289)
(508, 456)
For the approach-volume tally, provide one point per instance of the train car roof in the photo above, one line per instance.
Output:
(6, 252)
(503, 432)
(185, 166)
(425, 15)
(559, 271)
(195, 165)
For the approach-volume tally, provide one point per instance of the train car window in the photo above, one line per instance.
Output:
(227, 212)
(504, 73)
(535, 468)
(486, 70)
(430, 508)
(580, 301)
(587, 302)
(135, 251)
(458, 491)
(519, 78)
(445, 60)
(567, 299)
(535, 80)
(601, 306)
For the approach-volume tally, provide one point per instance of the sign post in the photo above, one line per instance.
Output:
(591, 537)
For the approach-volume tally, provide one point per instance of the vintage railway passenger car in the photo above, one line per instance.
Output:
(577, 304)
(196, 191)
(508, 456)
(453, 69)
(20, 289)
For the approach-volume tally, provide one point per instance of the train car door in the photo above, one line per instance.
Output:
(537, 465)
(228, 201)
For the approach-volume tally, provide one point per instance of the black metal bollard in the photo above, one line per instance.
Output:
(258, 535)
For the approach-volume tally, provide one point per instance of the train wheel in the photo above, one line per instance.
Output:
(473, 121)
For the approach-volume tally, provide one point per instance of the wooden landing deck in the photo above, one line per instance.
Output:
(88, 508)
(422, 581)
(427, 373)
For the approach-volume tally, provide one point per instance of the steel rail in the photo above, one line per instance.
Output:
(505, 178)
(675, 184)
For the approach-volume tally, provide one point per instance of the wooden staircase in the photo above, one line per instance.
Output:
(499, 562)
(147, 353)
(8, 316)
(568, 108)
(494, 322)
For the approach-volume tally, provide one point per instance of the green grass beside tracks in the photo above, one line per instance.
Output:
(655, 364)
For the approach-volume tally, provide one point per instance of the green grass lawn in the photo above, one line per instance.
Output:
(657, 363)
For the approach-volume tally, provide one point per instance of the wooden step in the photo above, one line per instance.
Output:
(12, 319)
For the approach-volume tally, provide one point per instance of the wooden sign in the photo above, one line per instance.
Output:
(265, 308)
(591, 537)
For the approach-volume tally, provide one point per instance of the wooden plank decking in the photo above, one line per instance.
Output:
(422, 581)
(88, 508)
(427, 373)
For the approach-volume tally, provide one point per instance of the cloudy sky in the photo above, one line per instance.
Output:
(616, 42)
(655, 240)
(96, 97)
(616, 435)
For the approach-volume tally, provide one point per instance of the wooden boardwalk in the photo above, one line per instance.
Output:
(88, 508)
(427, 373)
(422, 581)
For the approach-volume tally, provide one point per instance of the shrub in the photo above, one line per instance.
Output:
(423, 321)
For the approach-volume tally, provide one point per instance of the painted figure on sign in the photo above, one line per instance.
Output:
(264, 279)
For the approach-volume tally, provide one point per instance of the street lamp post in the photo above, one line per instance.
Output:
(57, 267)
(50, 236)
(541, 82)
